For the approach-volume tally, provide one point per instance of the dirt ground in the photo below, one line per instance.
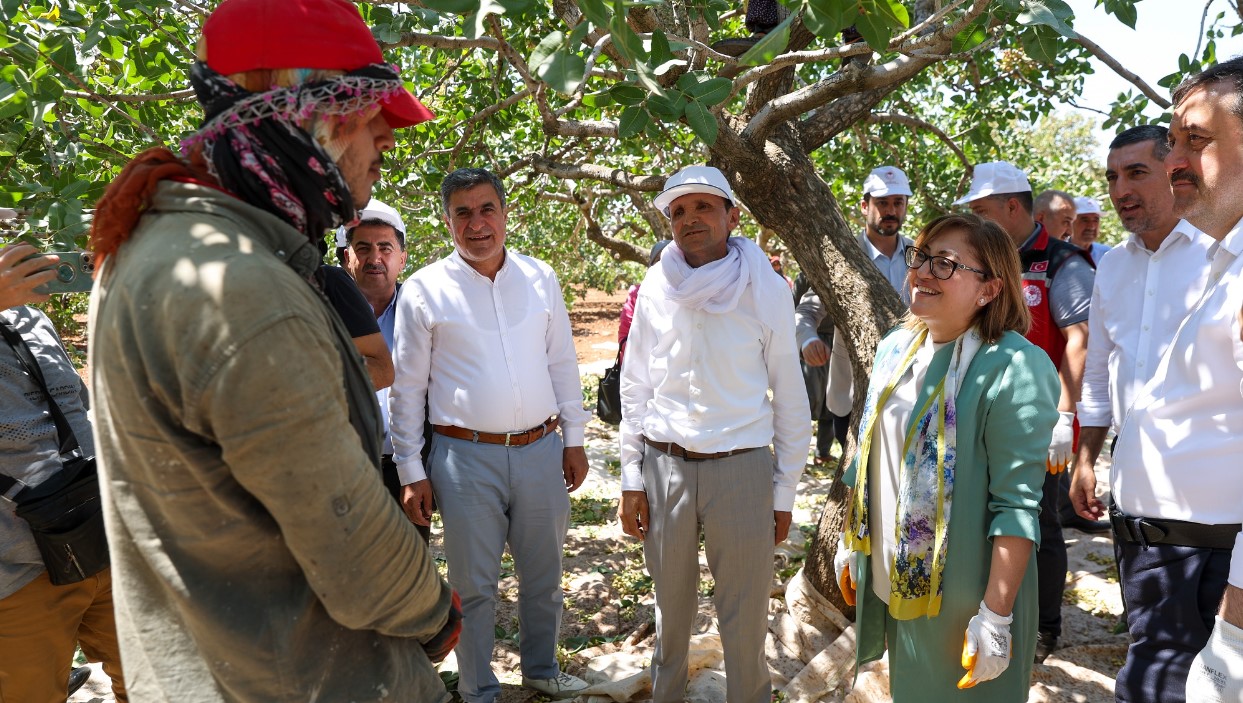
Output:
(608, 602)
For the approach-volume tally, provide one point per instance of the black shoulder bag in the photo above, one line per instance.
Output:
(608, 396)
(64, 512)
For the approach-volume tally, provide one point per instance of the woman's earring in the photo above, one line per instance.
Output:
(983, 301)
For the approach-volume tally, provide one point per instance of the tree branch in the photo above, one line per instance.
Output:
(1118, 68)
(910, 121)
(180, 96)
(619, 247)
(439, 41)
(616, 176)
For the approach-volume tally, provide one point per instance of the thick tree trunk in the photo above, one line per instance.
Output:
(783, 191)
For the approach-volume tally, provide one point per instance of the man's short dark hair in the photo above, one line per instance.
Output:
(1155, 133)
(1044, 201)
(467, 178)
(1024, 198)
(1230, 72)
(372, 221)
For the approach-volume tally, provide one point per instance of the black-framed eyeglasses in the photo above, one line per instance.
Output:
(940, 266)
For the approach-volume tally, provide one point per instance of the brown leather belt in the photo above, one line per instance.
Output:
(675, 449)
(509, 439)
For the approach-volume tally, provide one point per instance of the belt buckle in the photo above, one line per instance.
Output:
(474, 436)
(508, 436)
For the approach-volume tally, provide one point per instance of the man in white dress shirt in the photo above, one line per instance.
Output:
(484, 338)
(1143, 291)
(1175, 475)
(713, 333)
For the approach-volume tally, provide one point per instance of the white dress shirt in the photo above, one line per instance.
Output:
(1138, 302)
(702, 380)
(1179, 447)
(491, 356)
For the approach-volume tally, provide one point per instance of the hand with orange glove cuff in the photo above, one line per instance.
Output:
(439, 646)
(986, 647)
(1061, 444)
(845, 566)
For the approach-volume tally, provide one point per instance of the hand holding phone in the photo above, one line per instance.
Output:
(23, 271)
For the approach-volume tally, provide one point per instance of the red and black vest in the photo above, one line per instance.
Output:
(1041, 258)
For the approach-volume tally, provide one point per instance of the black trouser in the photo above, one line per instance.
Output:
(388, 470)
(1172, 594)
(1051, 559)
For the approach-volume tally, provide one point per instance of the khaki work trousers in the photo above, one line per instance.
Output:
(41, 624)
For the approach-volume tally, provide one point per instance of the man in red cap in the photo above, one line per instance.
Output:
(256, 553)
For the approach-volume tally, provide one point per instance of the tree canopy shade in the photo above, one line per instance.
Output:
(584, 106)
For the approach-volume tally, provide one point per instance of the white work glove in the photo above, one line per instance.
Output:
(985, 647)
(1216, 674)
(1062, 445)
(845, 567)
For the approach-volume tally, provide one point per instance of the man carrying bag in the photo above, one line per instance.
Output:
(48, 604)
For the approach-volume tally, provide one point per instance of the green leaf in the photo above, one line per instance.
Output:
(711, 91)
(633, 121)
(453, 7)
(702, 122)
(624, 38)
(74, 190)
(648, 78)
(596, 12)
(878, 20)
(627, 94)
(668, 108)
(544, 51)
(1124, 10)
(971, 36)
(564, 71)
(576, 35)
(1049, 13)
(826, 18)
(660, 52)
(1040, 43)
(772, 44)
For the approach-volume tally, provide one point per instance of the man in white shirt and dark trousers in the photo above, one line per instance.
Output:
(713, 333)
(1143, 291)
(1178, 497)
(484, 338)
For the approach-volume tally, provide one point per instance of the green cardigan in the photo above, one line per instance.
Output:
(1006, 408)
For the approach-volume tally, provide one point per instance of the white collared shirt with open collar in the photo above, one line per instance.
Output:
(1178, 449)
(1138, 302)
(702, 380)
(488, 355)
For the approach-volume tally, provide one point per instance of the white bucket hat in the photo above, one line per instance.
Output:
(375, 210)
(693, 179)
(886, 180)
(1086, 206)
(995, 178)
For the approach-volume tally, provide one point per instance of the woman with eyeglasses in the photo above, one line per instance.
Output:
(939, 540)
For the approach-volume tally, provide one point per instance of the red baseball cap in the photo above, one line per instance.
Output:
(247, 35)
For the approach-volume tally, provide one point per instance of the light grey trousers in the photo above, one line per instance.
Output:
(732, 499)
(488, 495)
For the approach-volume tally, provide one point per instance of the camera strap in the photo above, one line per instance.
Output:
(64, 432)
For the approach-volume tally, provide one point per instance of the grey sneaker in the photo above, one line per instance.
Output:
(559, 687)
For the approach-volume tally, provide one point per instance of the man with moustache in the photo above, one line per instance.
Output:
(886, 192)
(373, 252)
(1175, 475)
(1055, 210)
(1057, 284)
(715, 330)
(1087, 228)
(255, 553)
(483, 342)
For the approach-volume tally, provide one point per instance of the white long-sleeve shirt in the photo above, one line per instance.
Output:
(702, 380)
(487, 355)
(1179, 447)
(1139, 299)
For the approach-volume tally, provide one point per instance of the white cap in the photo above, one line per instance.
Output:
(886, 180)
(1086, 206)
(375, 210)
(693, 179)
(995, 178)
